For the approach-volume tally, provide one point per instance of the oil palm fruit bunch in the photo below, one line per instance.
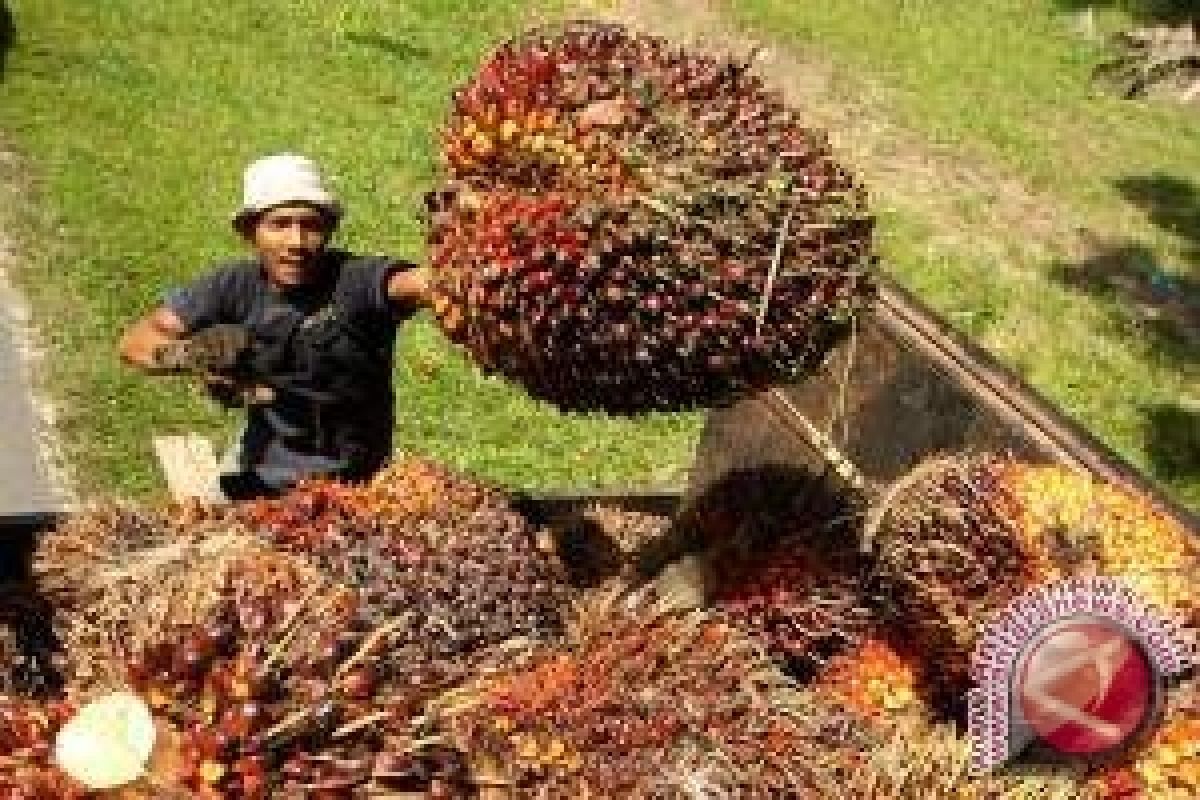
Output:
(961, 538)
(282, 693)
(627, 226)
(803, 606)
(482, 583)
(121, 576)
(602, 715)
(952, 554)
(422, 537)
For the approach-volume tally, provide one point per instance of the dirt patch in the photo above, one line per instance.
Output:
(967, 203)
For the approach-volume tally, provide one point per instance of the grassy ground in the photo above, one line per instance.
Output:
(1059, 226)
(133, 120)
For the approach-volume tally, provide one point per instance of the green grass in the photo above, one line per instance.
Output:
(1005, 83)
(133, 121)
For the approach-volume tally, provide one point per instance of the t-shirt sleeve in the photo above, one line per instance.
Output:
(211, 299)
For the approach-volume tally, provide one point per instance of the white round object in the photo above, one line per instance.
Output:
(108, 743)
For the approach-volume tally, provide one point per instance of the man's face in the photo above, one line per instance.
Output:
(290, 240)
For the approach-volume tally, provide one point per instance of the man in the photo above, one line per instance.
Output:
(302, 335)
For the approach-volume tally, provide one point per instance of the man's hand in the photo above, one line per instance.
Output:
(232, 393)
(409, 290)
(216, 349)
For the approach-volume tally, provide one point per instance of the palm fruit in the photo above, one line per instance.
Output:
(1112, 530)
(950, 547)
(878, 678)
(27, 731)
(804, 607)
(1166, 763)
(627, 226)
(603, 715)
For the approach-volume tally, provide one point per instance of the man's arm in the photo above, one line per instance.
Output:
(142, 342)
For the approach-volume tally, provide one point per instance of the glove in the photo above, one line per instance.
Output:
(219, 348)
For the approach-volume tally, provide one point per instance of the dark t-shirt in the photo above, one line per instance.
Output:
(331, 348)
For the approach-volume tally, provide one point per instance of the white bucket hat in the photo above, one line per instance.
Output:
(281, 179)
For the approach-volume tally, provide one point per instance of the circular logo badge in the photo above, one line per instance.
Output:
(1084, 685)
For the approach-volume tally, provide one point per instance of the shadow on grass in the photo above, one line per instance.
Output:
(1173, 440)
(1171, 203)
(391, 45)
(1147, 11)
(1165, 307)
(8, 34)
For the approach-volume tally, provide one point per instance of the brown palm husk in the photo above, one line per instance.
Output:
(123, 578)
(920, 762)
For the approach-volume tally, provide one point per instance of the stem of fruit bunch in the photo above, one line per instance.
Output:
(775, 261)
(369, 644)
(291, 628)
(362, 722)
(291, 720)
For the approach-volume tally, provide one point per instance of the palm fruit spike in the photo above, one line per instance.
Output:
(950, 548)
(626, 226)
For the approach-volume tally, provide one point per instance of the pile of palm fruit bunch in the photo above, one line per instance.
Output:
(640, 705)
(288, 646)
(628, 226)
(408, 635)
